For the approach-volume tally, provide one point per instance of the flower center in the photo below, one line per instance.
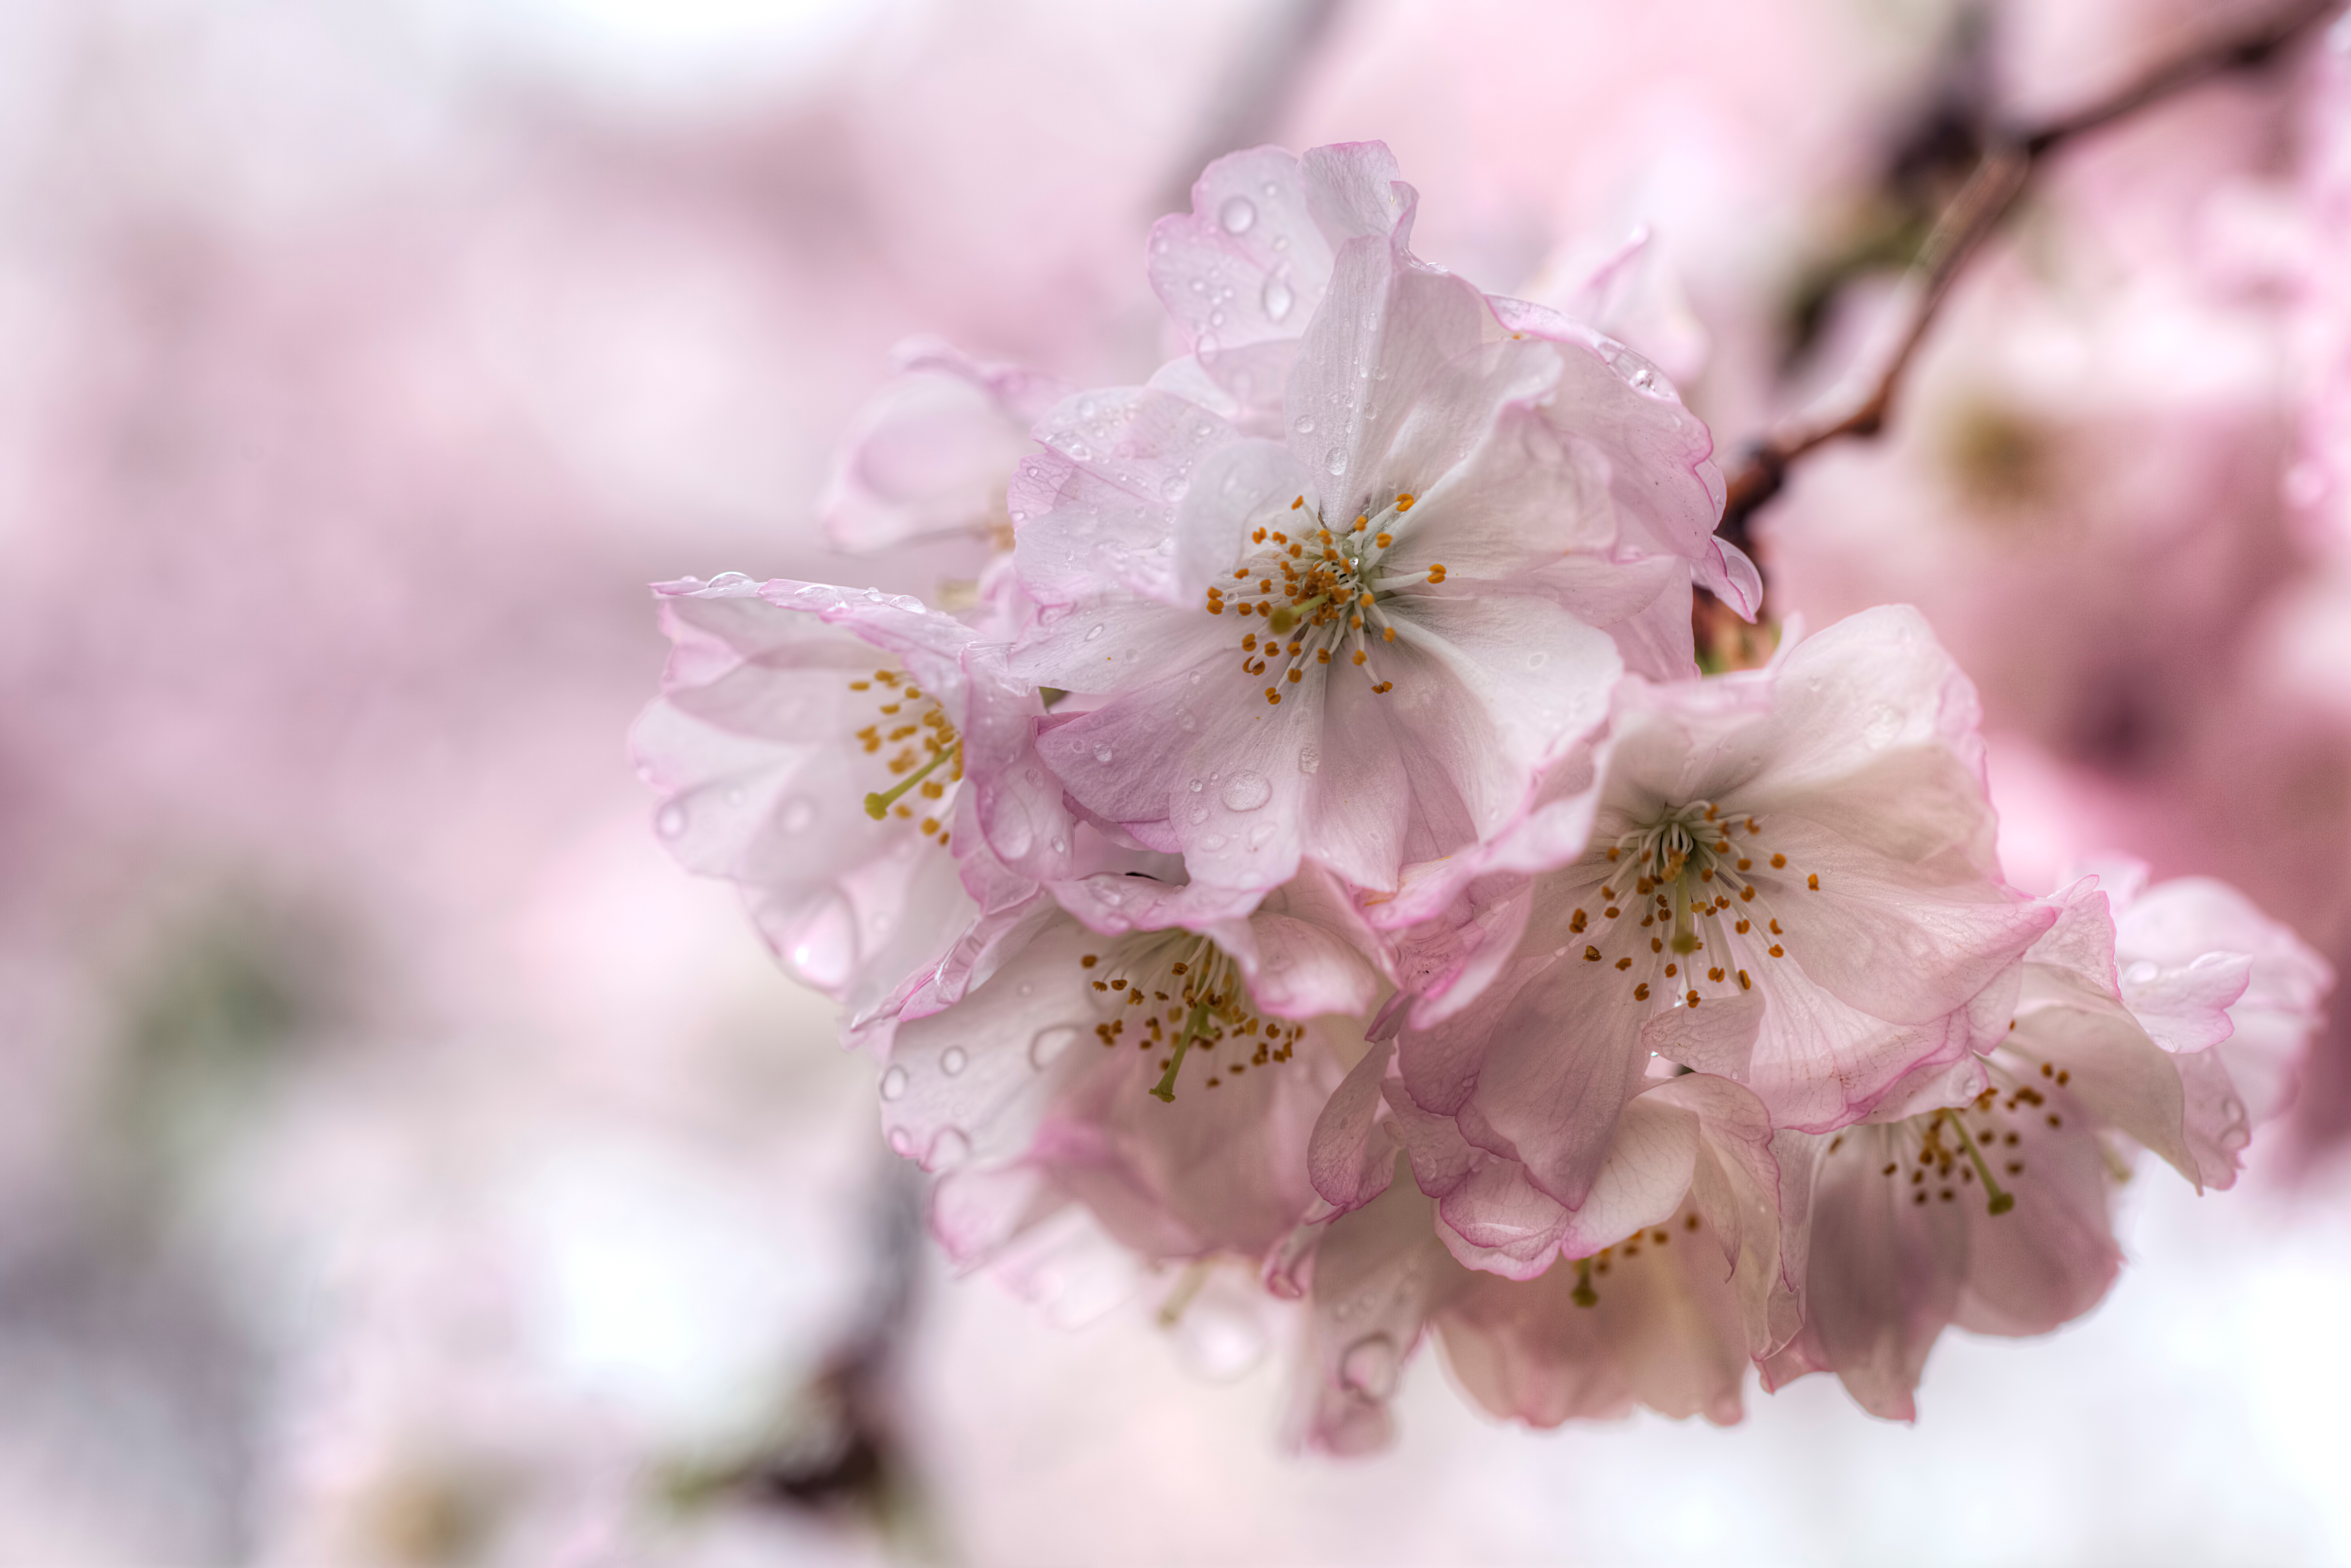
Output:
(1322, 593)
(921, 744)
(1183, 993)
(1691, 882)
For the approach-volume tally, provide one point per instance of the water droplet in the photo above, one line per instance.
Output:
(1337, 460)
(1199, 813)
(1088, 408)
(1238, 214)
(1245, 791)
(1310, 758)
(1215, 317)
(1078, 450)
(670, 822)
(1102, 751)
(893, 1083)
(1213, 841)
(1305, 425)
(798, 812)
(954, 1059)
(1370, 1366)
(902, 1142)
(1171, 488)
(1276, 297)
(1195, 786)
(1207, 347)
(949, 1152)
(729, 579)
(1050, 1043)
(1093, 632)
(1538, 659)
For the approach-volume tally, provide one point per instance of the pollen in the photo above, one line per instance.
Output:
(1778, 861)
(1273, 697)
(1814, 882)
(1641, 992)
(1298, 503)
(1384, 540)
(1404, 503)
(1437, 572)
(1744, 981)
(1624, 963)
(1591, 955)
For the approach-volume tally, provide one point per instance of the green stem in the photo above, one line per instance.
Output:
(878, 806)
(1289, 615)
(2001, 1201)
(1584, 1295)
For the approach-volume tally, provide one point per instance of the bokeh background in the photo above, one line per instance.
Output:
(401, 1162)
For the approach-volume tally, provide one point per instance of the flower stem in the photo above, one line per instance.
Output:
(1583, 1294)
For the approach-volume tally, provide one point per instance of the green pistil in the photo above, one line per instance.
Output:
(1289, 615)
(1165, 1087)
(878, 806)
(1685, 936)
(1584, 1295)
(2001, 1201)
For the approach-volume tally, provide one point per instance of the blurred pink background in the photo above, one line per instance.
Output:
(402, 1163)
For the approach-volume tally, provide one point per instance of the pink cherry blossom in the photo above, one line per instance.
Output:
(1166, 1079)
(1789, 882)
(2176, 1025)
(824, 748)
(1359, 641)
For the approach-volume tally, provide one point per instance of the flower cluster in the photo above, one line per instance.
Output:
(1311, 846)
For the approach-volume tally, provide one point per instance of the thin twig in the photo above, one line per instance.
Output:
(2009, 157)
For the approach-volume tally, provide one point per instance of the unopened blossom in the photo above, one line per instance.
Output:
(2172, 1018)
(1166, 1079)
(1358, 640)
(928, 461)
(834, 753)
(1788, 882)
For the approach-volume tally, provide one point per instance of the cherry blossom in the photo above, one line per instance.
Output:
(1360, 639)
(2173, 1017)
(1167, 1079)
(831, 752)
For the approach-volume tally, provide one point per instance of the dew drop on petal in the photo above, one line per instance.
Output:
(1305, 425)
(1195, 786)
(902, 1142)
(1370, 1366)
(798, 812)
(671, 821)
(1245, 791)
(1103, 752)
(1276, 297)
(1093, 632)
(1171, 488)
(1213, 841)
(893, 1083)
(825, 952)
(1215, 317)
(1310, 758)
(954, 1059)
(1538, 659)
(1048, 1044)
(949, 1151)
(1238, 214)
(1337, 460)
(1199, 813)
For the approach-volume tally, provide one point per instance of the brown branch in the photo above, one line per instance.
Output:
(2011, 155)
